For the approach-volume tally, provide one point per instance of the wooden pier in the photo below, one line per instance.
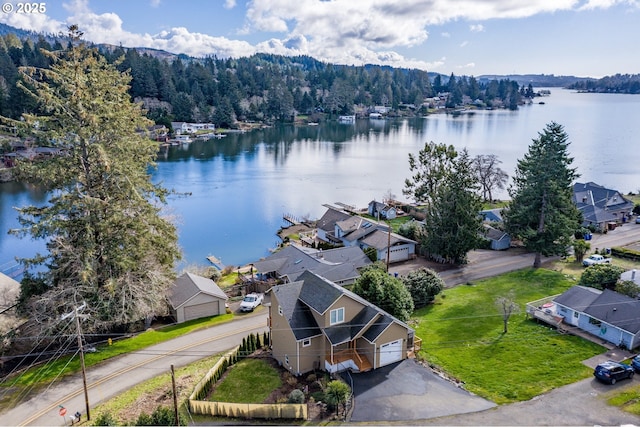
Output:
(291, 219)
(216, 262)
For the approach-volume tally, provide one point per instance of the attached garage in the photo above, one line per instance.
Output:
(390, 353)
(399, 254)
(193, 297)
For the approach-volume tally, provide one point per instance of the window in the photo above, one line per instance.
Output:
(286, 359)
(575, 314)
(595, 321)
(306, 343)
(280, 310)
(337, 316)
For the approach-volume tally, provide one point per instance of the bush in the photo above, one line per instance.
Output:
(296, 396)
(105, 419)
(601, 276)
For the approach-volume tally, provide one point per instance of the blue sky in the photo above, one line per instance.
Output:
(590, 38)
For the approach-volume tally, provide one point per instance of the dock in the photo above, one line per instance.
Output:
(291, 219)
(216, 262)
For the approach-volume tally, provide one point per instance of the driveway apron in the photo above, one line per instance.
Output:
(407, 391)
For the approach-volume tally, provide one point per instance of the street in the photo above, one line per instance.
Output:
(115, 376)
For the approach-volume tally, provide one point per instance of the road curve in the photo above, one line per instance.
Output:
(115, 376)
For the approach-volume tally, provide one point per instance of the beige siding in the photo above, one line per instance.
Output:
(392, 333)
(283, 342)
(201, 305)
(365, 348)
(351, 308)
(312, 357)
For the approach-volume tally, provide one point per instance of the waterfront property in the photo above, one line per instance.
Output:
(316, 324)
(340, 265)
(381, 210)
(338, 227)
(601, 206)
(192, 297)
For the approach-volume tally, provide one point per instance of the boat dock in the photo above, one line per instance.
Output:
(291, 219)
(216, 262)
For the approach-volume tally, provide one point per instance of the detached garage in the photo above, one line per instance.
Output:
(193, 297)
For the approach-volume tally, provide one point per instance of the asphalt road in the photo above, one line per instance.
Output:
(115, 376)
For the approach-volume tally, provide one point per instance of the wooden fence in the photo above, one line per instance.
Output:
(238, 410)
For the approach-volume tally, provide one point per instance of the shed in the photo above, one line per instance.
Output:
(192, 297)
(498, 239)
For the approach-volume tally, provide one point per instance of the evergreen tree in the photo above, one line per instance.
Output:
(107, 244)
(385, 291)
(541, 212)
(453, 225)
(430, 169)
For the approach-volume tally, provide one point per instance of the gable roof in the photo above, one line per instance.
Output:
(381, 240)
(189, 285)
(297, 314)
(596, 202)
(337, 264)
(616, 309)
(578, 297)
(328, 221)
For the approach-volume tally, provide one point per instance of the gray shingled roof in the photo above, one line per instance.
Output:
(328, 221)
(337, 265)
(189, 285)
(616, 309)
(313, 292)
(597, 202)
(380, 239)
(578, 297)
(297, 314)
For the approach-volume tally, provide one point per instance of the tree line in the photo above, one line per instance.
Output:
(262, 87)
(619, 83)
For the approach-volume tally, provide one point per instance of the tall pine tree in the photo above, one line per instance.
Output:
(453, 225)
(541, 212)
(108, 245)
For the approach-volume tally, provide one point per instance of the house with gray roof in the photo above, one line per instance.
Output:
(381, 210)
(192, 297)
(317, 324)
(355, 230)
(340, 265)
(607, 315)
(600, 205)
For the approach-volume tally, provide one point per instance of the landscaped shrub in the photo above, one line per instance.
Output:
(296, 396)
(626, 253)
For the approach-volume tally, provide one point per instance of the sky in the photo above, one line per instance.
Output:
(585, 38)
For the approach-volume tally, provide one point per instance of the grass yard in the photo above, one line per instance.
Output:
(628, 400)
(462, 334)
(43, 374)
(248, 381)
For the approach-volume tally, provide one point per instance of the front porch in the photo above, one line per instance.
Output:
(347, 359)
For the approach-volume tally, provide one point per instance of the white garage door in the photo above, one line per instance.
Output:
(390, 352)
(399, 254)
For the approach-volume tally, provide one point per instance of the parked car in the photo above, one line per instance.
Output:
(250, 302)
(596, 259)
(611, 371)
(635, 363)
(638, 220)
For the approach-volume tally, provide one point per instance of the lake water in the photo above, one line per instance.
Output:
(236, 189)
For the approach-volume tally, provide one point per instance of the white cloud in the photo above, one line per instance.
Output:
(342, 31)
(464, 43)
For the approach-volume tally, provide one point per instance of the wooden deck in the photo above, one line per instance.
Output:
(361, 361)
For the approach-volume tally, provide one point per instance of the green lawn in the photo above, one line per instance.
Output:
(248, 381)
(46, 373)
(462, 334)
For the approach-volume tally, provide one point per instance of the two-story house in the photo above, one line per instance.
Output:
(600, 205)
(316, 324)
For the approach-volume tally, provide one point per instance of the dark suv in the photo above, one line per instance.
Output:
(611, 371)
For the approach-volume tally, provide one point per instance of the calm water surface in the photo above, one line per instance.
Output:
(237, 188)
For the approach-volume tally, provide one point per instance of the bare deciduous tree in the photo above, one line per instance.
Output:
(490, 176)
(507, 306)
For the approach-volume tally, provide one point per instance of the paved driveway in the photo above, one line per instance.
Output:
(407, 391)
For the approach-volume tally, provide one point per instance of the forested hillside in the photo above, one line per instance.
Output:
(619, 83)
(263, 88)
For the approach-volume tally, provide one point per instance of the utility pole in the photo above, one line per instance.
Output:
(388, 245)
(81, 350)
(175, 395)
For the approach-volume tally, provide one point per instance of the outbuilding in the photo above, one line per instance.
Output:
(193, 297)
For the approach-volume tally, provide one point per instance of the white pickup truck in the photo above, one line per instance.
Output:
(596, 259)
(251, 301)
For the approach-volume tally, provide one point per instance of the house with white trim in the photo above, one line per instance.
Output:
(317, 324)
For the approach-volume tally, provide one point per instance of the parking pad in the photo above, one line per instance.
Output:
(407, 391)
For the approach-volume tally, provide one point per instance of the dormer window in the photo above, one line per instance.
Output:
(337, 316)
